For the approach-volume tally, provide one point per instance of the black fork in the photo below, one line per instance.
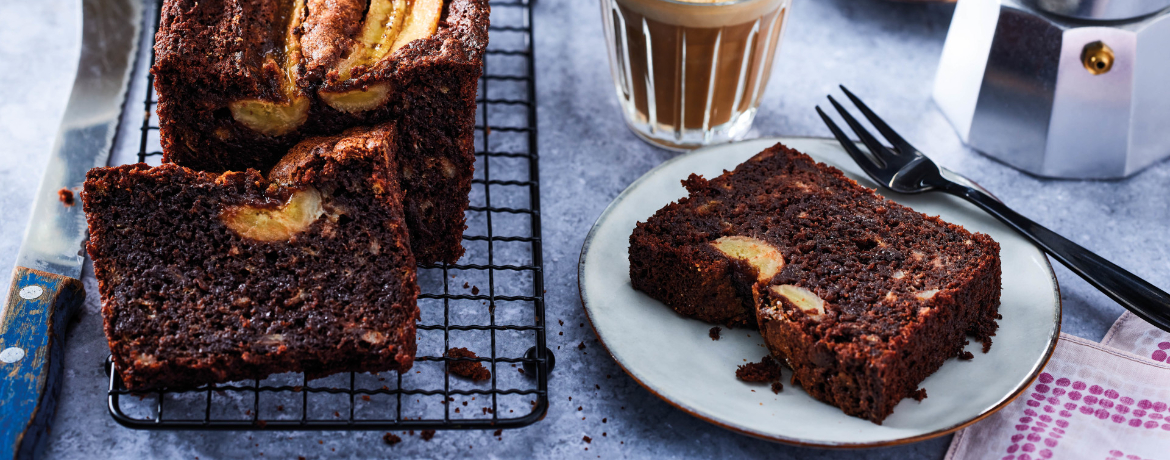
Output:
(904, 169)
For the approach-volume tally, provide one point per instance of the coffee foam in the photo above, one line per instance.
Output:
(702, 13)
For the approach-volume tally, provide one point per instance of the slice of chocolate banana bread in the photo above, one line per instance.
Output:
(218, 277)
(436, 235)
(862, 297)
(241, 81)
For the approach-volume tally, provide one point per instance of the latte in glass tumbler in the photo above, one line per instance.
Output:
(690, 73)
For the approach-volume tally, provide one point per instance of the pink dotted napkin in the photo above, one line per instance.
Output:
(1105, 401)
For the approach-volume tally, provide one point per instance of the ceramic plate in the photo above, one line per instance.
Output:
(673, 357)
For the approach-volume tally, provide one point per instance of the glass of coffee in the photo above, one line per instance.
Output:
(690, 73)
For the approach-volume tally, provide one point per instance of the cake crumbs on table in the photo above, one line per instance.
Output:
(390, 439)
(66, 196)
(587, 439)
(777, 387)
(426, 435)
(714, 333)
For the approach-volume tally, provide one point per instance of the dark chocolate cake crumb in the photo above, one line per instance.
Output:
(581, 346)
(475, 290)
(714, 333)
(390, 439)
(66, 196)
(426, 435)
(777, 387)
(919, 394)
(468, 369)
(587, 439)
(767, 370)
(497, 432)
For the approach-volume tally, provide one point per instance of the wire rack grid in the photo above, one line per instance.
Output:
(491, 301)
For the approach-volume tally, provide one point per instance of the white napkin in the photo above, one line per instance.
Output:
(1107, 400)
(1136, 336)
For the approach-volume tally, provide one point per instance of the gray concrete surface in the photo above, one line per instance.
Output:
(884, 51)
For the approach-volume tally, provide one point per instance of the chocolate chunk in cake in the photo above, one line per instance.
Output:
(239, 82)
(218, 277)
(862, 297)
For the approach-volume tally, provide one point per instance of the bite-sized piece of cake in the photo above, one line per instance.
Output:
(437, 236)
(241, 81)
(862, 297)
(218, 277)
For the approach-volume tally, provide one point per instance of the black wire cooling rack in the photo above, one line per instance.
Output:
(491, 302)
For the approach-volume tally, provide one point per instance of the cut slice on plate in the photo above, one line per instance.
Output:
(674, 358)
(862, 297)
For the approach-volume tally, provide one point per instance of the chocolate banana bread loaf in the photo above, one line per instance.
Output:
(862, 297)
(241, 81)
(210, 277)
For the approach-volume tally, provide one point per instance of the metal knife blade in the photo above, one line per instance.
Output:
(45, 289)
(110, 30)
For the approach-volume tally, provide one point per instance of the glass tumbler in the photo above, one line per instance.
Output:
(690, 73)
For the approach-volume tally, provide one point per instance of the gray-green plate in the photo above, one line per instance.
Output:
(673, 357)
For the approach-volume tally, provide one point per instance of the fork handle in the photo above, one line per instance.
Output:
(1135, 294)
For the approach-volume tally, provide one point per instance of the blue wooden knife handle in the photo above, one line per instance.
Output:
(32, 353)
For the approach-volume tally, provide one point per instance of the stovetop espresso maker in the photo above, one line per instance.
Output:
(1060, 88)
